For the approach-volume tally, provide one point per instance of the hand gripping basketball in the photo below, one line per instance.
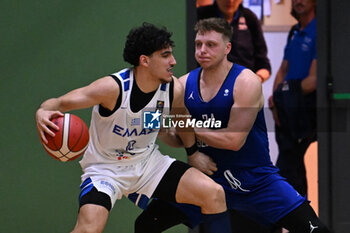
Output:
(70, 141)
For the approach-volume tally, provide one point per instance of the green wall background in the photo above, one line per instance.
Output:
(46, 49)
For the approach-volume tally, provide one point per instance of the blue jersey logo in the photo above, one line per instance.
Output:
(151, 120)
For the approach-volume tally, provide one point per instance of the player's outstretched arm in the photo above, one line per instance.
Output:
(248, 100)
(104, 91)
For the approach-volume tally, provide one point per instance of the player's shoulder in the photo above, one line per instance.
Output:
(248, 75)
(247, 79)
(106, 82)
(248, 89)
(104, 89)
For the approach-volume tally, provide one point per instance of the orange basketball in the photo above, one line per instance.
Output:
(70, 141)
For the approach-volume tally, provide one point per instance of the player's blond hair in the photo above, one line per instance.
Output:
(214, 24)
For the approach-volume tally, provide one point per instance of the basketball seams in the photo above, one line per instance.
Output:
(65, 133)
(78, 140)
(70, 127)
(75, 154)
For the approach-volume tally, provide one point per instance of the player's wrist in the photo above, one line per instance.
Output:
(192, 149)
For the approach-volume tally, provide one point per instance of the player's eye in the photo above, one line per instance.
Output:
(210, 45)
(165, 55)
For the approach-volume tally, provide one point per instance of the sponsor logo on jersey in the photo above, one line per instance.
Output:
(191, 96)
(135, 121)
(121, 156)
(226, 92)
(160, 105)
(126, 132)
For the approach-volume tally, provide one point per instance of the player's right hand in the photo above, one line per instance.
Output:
(202, 162)
(44, 123)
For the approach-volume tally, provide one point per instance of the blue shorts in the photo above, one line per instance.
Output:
(266, 198)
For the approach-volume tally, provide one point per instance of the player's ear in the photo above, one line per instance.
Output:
(228, 47)
(144, 60)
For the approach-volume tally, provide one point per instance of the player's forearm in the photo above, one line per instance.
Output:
(53, 104)
(58, 104)
(187, 137)
(222, 139)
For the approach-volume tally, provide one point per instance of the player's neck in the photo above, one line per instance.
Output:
(146, 82)
(216, 74)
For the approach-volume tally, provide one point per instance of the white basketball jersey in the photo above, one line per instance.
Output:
(121, 136)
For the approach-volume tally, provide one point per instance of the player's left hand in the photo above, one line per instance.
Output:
(202, 162)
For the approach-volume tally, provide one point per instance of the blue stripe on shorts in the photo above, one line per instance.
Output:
(85, 187)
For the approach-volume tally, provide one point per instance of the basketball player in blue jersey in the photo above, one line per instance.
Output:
(238, 155)
(122, 157)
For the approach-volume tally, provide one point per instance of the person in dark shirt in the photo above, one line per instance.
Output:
(248, 44)
(294, 96)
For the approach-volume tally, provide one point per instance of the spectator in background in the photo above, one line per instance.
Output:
(248, 44)
(203, 2)
(294, 98)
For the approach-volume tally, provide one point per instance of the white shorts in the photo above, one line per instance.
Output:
(137, 181)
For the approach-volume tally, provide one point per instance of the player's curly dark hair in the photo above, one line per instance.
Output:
(145, 40)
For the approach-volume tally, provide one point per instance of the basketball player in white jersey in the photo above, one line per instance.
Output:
(122, 157)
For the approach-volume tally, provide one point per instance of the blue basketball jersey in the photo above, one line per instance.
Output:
(255, 151)
(250, 180)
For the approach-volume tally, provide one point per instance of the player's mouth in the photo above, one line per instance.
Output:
(203, 59)
(170, 71)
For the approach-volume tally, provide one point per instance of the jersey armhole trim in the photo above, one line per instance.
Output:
(106, 112)
(171, 94)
